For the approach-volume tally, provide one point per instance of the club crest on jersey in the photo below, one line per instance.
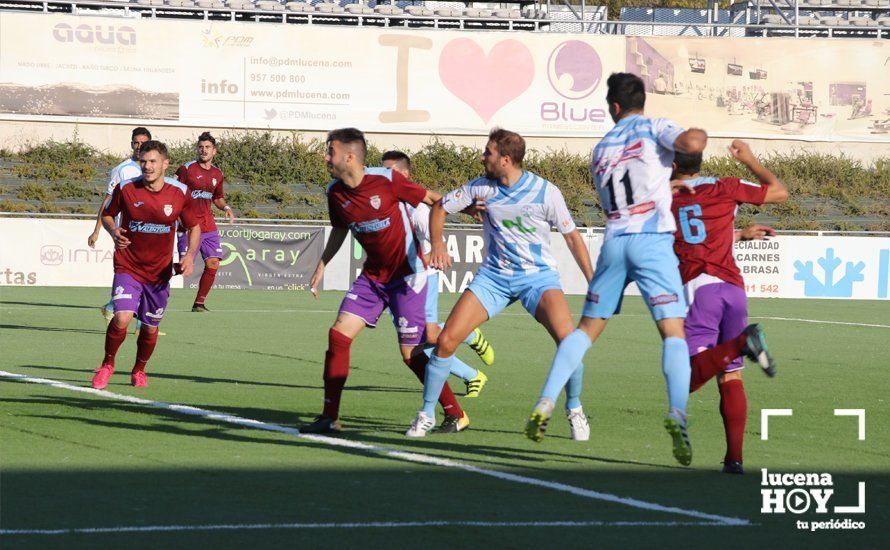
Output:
(168, 209)
(375, 202)
(213, 182)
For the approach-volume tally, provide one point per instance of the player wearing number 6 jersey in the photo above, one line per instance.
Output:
(631, 168)
(716, 334)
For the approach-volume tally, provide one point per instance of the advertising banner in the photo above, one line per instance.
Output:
(266, 257)
(251, 75)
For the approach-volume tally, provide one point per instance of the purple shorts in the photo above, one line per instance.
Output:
(405, 298)
(147, 301)
(719, 312)
(210, 247)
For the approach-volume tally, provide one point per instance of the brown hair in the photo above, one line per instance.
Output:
(509, 144)
(154, 145)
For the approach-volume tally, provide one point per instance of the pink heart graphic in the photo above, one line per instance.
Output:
(486, 82)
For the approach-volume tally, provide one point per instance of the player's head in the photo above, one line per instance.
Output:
(503, 152)
(140, 135)
(686, 164)
(346, 149)
(626, 94)
(154, 160)
(398, 161)
(206, 147)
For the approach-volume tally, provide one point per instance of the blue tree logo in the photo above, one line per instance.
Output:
(827, 287)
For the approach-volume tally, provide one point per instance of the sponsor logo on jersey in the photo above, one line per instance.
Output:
(371, 226)
(345, 204)
(375, 202)
(663, 299)
(168, 209)
(641, 208)
(137, 204)
(518, 226)
(145, 227)
(198, 194)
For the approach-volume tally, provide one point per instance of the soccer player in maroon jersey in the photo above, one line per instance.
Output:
(143, 261)
(368, 203)
(714, 288)
(205, 185)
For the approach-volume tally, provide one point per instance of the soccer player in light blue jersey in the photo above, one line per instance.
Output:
(631, 168)
(127, 170)
(519, 210)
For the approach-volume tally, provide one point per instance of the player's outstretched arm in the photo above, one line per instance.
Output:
(578, 248)
(94, 236)
(188, 261)
(691, 142)
(754, 232)
(431, 198)
(775, 189)
(439, 257)
(335, 241)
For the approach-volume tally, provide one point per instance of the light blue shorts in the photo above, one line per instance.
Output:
(647, 259)
(432, 297)
(497, 292)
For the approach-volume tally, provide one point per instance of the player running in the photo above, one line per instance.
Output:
(205, 184)
(369, 202)
(143, 263)
(519, 209)
(420, 219)
(715, 291)
(126, 170)
(631, 168)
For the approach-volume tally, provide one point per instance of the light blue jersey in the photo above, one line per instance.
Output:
(127, 170)
(631, 169)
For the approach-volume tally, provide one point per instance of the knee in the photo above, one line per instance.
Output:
(122, 319)
(446, 344)
(148, 330)
(211, 263)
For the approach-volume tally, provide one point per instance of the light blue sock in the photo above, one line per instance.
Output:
(468, 340)
(110, 305)
(138, 324)
(567, 360)
(458, 367)
(437, 371)
(677, 372)
(573, 388)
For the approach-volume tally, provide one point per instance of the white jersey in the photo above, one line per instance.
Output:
(517, 221)
(127, 170)
(420, 220)
(631, 168)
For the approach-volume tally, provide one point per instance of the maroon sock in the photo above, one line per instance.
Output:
(204, 286)
(734, 410)
(417, 364)
(336, 369)
(711, 362)
(114, 337)
(145, 346)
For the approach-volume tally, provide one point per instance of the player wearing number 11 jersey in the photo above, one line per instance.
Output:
(714, 289)
(631, 168)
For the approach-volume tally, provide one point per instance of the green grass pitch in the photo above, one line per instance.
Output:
(74, 460)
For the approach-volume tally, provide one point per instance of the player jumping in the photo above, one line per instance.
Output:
(205, 184)
(369, 203)
(713, 284)
(519, 209)
(420, 219)
(143, 263)
(631, 168)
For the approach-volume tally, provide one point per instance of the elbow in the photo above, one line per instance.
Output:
(780, 195)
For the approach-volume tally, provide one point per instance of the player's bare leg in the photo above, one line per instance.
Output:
(336, 369)
(211, 265)
(115, 334)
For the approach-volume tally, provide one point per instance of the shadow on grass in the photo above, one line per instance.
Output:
(48, 304)
(52, 329)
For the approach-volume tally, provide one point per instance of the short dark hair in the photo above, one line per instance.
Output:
(627, 90)
(140, 131)
(397, 156)
(154, 145)
(509, 144)
(349, 136)
(207, 137)
(687, 164)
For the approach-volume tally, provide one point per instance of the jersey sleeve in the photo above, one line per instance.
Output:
(334, 213)
(406, 190)
(181, 174)
(557, 212)
(113, 208)
(420, 219)
(113, 180)
(459, 198)
(218, 190)
(666, 132)
(743, 191)
(187, 216)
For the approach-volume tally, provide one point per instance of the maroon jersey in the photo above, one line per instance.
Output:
(205, 186)
(149, 219)
(706, 223)
(375, 215)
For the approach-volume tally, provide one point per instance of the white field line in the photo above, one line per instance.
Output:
(820, 322)
(391, 453)
(358, 525)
